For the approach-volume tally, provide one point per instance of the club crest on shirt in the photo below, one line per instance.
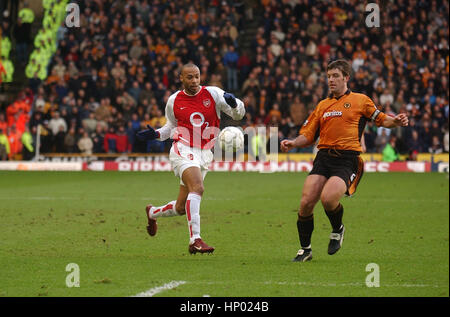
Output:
(347, 105)
(206, 102)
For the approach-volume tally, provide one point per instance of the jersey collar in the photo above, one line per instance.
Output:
(337, 98)
(184, 91)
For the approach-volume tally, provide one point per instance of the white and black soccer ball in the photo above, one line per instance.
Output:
(231, 139)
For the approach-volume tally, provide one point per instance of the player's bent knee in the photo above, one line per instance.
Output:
(306, 208)
(329, 202)
(198, 189)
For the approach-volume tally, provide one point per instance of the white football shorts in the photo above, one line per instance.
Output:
(182, 157)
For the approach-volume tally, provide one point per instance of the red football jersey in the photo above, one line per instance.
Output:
(195, 120)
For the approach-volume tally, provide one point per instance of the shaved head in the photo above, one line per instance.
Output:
(190, 78)
(188, 66)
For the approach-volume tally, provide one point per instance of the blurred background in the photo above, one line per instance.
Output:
(82, 80)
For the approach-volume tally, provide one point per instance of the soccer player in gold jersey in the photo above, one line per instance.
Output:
(338, 121)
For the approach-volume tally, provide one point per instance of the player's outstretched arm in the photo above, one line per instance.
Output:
(230, 99)
(400, 120)
(148, 134)
(233, 106)
(300, 141)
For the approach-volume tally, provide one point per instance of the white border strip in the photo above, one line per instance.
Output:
(155, 290)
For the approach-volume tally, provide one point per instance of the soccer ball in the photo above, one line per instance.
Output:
(231, 139)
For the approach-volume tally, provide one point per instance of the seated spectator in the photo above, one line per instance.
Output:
(158, 119)
(4, 145)
(56, 122)
(122, 144)
(446, 139)
(381, 141)
(98, 138)
(390, 153)
(70, 141)
(47, 142)
(27, 142)
(90, 123)
(414, 144)
(3, 123)
(85, 144)
(110, 141)
(58, 140)
(15, 145)
(436, 146)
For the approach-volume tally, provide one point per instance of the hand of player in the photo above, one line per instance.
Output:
(287, 145)
(148, 134)
(230, 99)
(401, 120)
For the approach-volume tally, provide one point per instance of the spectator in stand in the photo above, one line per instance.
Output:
(110, 141)
(98, 138)
(47, 140)
(15, 145)
(414, 144)
(158, 121)
(436, 147)
(22, 36)
(4, 145)
(381, 140)
(58, 140)
(70, 141)
(390, 153)
(90, 124)
(230, 60)
(56, 122)
(85, 144)
(27, 142)
(122, 143)
(446, 139)
(3, 123)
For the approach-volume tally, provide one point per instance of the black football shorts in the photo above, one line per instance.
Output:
(347, 165)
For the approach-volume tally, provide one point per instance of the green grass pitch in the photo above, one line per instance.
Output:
(400, 221)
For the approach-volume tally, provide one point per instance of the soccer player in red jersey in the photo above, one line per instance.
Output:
(193, 120)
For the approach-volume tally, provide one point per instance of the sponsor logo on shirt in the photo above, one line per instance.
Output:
(332, 114)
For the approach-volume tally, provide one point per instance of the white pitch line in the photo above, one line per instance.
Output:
(155, 290)
(325, 284)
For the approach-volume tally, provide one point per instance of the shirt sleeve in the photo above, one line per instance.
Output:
(221, 105)
(165, 131)
(371, 112)
(310, 128)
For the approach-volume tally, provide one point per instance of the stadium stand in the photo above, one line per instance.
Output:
(112, 75)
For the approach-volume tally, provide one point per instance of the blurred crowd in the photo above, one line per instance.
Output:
(112, 76)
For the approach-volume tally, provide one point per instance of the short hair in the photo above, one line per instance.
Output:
(188, 65)
(341, 64)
